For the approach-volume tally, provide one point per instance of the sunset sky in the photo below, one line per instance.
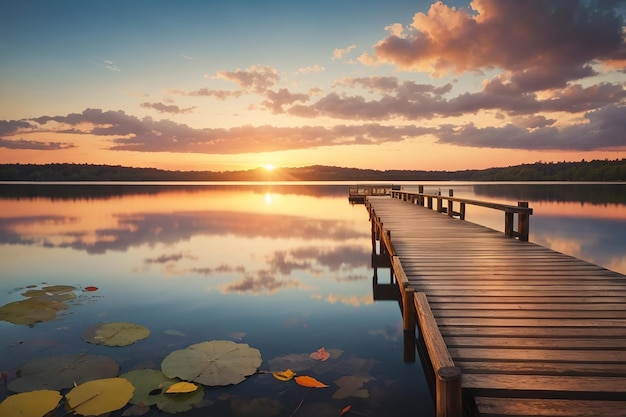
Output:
(238, 84)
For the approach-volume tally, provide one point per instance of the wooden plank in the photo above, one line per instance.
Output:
(548, 383)
(491, 406)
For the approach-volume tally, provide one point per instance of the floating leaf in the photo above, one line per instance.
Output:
(181, 402)
(147, 381)
(284, 375)
(60, 372)
(310, 382)
(181, 388)
(350, 386)
(174, 332)
(30, 404)
(91, 288)
(320, 355)
(218, 362)
(115, 334)
(100, 396)
(31, 311)
(55, 292)
(345, 409)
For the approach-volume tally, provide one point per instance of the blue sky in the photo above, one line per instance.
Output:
(221, 85)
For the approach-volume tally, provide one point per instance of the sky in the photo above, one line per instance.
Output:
(227, 85)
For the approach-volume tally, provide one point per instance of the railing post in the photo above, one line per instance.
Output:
(508, 224)
(420, 189)
(449, 397)
(450, 203)
(523, 222)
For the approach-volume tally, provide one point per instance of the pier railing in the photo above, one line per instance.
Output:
(436, 202)
(416, 311)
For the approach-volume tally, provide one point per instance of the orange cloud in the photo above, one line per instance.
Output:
(544, 44)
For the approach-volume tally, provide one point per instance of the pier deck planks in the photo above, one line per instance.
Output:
(535, 332)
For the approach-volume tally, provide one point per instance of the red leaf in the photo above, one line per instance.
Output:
(91, 288)
(345, 409)
(320, 355)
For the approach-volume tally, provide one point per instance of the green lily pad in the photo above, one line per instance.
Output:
(100, 396)
(60, 372)
(176, 403)
(54, 292)
(147, 381)
(41, 305)
(30, 404)
(31, 311)
(218, 362)
(115, 334)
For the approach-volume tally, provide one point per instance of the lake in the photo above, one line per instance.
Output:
(281, 268)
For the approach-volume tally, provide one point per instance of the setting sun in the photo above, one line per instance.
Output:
(269, 167)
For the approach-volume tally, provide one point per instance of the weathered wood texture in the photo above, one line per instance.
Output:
(534, 332)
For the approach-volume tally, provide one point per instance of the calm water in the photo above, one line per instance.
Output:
(283, 268)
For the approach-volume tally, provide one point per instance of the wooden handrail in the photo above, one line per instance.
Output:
(448, 395)
(521, 209)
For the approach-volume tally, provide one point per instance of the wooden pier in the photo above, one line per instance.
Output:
(508, 327)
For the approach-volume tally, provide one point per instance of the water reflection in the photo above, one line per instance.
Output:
(284, 269)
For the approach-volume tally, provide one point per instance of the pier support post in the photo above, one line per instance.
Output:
(449, 398)
(450, 203)
(523, 222)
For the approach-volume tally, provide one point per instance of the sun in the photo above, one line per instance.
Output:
(269, 167)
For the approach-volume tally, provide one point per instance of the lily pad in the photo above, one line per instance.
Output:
(115, 334)
(176, 403)
(146, 381)
(351, 386)
(218, 362)
(101, 396)
(60, 372)
(31, 311)
(30, 404)
(54, 292)
(41, 305)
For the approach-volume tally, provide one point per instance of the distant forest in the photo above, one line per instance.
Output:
(597, 170)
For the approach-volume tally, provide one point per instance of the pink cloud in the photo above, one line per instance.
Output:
(542, 44)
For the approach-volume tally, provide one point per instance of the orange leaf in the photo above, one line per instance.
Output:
(310, 382)
(345, 409)
(284, 375)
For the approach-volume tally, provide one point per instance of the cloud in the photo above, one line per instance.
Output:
(542, 44)
(130, 133)
(339, 53)
(164, 108)
(107, 64)
(604, 129)
(255, 78)
(308, 70)
(34, 145)
(8, 127)
(263, 282)
(277, 99)
(205, 92)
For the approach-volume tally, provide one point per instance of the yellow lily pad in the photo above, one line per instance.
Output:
(30, 404)
(100, 396)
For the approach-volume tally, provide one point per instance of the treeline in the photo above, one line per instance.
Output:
(597, 170)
